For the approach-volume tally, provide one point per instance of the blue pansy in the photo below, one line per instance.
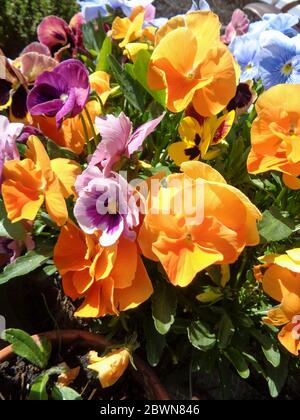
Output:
(199, 5)
(283, 22)
(279, 59)
(92, 9)
(245, 50)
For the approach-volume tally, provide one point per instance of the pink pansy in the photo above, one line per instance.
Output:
(108, 205)
(9, 132)
(239, 25)
(118, 140)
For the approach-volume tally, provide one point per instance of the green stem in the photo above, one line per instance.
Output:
(281, 195)
(86, 135)
(92, 127)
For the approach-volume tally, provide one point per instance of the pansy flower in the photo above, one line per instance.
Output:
(106, 204)
(58, 36)
(100, 276)
(282, 22)
(279, 59)
(280, 278)
(275, 133)
(193, 65)
(186, 242)
(19, 77)
(11, 249)
(9, 132)
(199, 137)
(71, 135)
(62, 93)
(119, 139)
(91, 9)
(110, 367)
(36, 180)
(238, 26)
(245, 50)
(245, 96)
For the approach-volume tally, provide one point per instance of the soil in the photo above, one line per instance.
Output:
(17, 375)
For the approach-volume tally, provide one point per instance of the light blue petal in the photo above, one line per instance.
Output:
(199, 5)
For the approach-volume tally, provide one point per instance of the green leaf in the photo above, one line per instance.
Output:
(130, 88)
(277, 376)
(38, 391)
(65, 394)
(8, 229)
(55, 151)
(102, 63)
(139, 71)
(24, 265)
(238, 361)
(155, 343)
(24, 346)
(226, 331)
(164, 304)
(275, 227)
(200, 336)
(269, 348)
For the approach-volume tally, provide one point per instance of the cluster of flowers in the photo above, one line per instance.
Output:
(106, 224)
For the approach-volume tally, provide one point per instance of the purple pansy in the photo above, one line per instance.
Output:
(118, 140)
(11, 249)
(9, 132)
(109, 205)
(57, 35)
(62, 92)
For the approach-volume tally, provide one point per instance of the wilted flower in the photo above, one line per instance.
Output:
(238, 26)
(11, 249)
(118, 139)
(280, 278)
(279, 59)
(198, 138)
(107, 205)
(32, 181)
(110, 367)
(62, 92)
(102, 276)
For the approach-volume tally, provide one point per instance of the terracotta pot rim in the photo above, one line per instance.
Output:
(98, 342)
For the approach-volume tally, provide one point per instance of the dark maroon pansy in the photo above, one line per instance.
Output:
(58, 36)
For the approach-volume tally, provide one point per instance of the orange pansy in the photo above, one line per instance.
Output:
(35, 180)
(129, 29)
(191, 62)
(280, 278)
(190, 224)
(275, 134)
(102, 276)
(71, 135)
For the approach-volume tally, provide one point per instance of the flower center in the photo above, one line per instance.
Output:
(112, 207)
(249, 67)
(64, 97)
(287, 69)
